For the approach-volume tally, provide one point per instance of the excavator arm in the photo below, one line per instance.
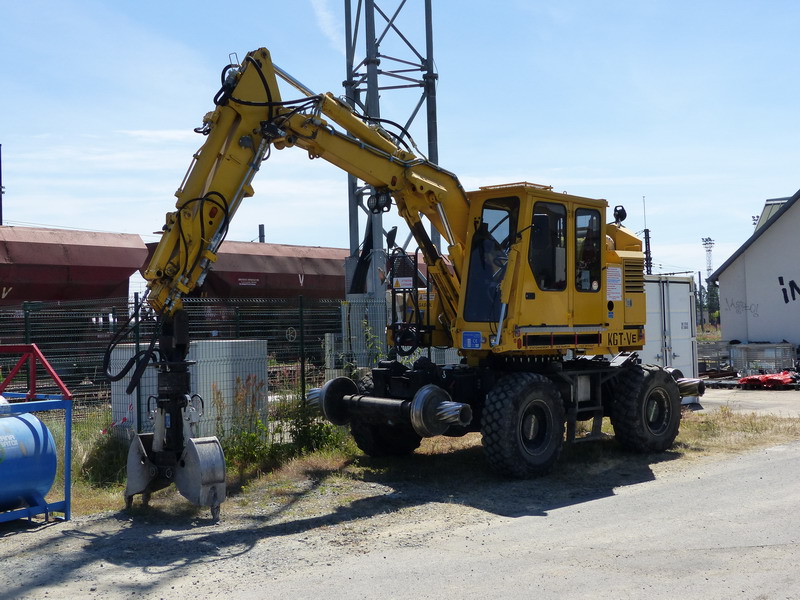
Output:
(251, 119)
(218, 179)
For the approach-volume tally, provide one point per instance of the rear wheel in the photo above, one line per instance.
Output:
(646, 411)
(523, 425)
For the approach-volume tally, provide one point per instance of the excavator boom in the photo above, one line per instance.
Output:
(250, 119)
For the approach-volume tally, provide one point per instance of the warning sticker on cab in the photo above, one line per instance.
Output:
(471, 340)
(614, 284)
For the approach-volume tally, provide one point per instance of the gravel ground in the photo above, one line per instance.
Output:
(171, 550)
(301, 530)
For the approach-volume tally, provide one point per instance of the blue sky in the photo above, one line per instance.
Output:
(689, 104)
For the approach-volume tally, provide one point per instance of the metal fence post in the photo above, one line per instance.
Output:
(137, 337)
(237, 318)
(302, 352)
(26, 310)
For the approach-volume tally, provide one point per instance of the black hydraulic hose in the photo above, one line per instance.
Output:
(222, 204)
(222, 96)
(398, 138)
(257, 67)
(139, 360)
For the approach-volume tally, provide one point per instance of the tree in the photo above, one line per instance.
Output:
(712, 303)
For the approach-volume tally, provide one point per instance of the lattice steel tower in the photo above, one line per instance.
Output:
(708, 244)
(381, 58)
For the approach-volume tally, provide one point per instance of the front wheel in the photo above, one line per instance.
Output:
(646, 412)
(523, 425)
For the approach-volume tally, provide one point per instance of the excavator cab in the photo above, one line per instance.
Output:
(543, 276)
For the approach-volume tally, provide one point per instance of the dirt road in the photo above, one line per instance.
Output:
(656, 528)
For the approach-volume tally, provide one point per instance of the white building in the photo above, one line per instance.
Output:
(759, 286)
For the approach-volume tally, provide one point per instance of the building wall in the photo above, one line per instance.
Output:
(733, 305)
(760, 291)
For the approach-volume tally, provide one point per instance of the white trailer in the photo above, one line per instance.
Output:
(670, 331)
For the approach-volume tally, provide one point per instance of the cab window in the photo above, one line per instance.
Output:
(547, 254)
(588, 250)
(494, 234)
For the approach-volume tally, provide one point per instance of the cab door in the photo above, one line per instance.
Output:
(548, 260)
(586, 284)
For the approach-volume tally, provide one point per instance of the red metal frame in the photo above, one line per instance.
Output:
(31, 353)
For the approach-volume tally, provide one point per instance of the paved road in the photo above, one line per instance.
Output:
(727, 529)
(784, 403)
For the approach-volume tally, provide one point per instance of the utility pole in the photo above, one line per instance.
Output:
(648, 256)
(700, 296)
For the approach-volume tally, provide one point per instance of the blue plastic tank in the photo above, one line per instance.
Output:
(27, 461)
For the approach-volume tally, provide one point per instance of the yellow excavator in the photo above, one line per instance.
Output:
(540, 292)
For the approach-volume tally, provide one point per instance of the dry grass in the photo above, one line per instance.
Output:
(716, 433)
(724, 431)
(88, 500)
(337, 477)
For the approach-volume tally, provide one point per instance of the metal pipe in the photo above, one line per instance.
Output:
(691, 387)
(503, 308)
(292, 81)
(431, 412)
(388, 409)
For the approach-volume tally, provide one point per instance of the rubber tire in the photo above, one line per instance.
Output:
(379, 439)
(646, 411)
(508, 410)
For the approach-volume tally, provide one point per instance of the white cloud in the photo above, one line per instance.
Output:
(329, 24)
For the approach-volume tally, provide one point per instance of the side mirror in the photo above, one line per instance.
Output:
(391, 237)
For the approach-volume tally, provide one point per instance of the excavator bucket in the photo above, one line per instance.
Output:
(200, 476)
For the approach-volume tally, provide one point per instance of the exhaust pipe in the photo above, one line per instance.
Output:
(691, 387)
(431, 412)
